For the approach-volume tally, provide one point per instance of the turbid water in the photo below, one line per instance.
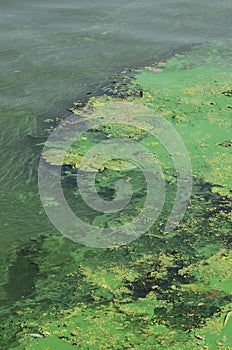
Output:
(51, 55)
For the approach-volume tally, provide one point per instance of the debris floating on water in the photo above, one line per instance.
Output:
(32, 335)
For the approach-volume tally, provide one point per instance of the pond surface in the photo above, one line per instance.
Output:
(54, 53)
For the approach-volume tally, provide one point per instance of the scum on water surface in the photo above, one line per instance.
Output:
(152, 293)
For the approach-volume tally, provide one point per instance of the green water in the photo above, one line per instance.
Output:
(52, 55)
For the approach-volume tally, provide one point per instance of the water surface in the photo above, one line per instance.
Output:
(53, 53)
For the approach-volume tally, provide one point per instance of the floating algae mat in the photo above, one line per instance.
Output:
(156, 292)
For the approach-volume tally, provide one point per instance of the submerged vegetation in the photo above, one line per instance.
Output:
(156, 292)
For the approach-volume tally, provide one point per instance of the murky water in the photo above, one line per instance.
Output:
(53, 53)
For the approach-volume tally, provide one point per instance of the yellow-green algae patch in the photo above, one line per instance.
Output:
(151, 294)
(195, 102)
(94, 109)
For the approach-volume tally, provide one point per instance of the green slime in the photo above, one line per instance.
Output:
(155, 292)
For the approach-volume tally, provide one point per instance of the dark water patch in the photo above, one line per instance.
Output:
(22, 275)
(187, 311)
